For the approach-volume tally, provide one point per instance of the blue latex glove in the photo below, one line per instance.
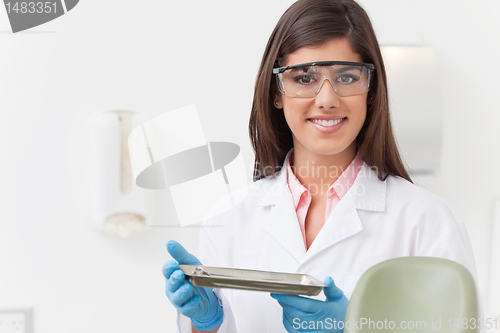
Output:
(199, 304)
(302, 314)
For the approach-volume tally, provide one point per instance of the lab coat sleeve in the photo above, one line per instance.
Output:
(214, 250)
(453, 243)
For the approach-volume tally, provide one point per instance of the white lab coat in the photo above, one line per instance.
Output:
(375, 221)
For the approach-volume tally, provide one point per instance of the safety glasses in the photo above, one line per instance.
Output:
(306, 80)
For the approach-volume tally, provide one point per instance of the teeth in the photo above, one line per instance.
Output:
(327, 123)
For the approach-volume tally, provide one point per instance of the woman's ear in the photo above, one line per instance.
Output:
(369, 100)
(277, 102)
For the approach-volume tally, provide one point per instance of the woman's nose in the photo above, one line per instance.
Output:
(327, 98)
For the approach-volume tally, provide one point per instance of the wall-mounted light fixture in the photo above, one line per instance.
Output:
(416, 107)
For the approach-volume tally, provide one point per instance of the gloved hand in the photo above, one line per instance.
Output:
(199, 304)
(299, 312)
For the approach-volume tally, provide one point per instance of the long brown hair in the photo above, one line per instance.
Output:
(309, 23)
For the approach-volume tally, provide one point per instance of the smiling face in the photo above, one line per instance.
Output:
(314, 122)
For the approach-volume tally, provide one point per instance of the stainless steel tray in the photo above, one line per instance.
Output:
(283, 283)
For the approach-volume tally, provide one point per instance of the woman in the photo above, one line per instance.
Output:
(331, 197)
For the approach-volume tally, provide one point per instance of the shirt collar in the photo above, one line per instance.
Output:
(339, 187)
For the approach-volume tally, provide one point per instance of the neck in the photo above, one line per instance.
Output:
(318, 172)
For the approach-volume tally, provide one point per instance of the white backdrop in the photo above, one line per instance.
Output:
(154, 57)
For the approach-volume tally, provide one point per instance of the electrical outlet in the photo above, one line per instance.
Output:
(16, 320)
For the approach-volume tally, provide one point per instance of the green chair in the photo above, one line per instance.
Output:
(414, 294)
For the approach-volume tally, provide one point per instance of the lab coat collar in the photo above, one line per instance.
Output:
(369, 191)
(366, 193)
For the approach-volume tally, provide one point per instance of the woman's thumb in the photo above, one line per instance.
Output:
(331, 291)
(179, 253)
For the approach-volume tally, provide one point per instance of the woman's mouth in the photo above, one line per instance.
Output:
(327, 123)
(327, 126)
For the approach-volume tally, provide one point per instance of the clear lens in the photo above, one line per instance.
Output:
(305, 82)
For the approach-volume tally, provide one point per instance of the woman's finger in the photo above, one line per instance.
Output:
(169, 267)
(182, 295)
(176, 280)
(301, 303)
(191, 304)
(331, 291)
(179, 253)
(292, 312)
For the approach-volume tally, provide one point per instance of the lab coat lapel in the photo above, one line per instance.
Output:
(281, 222)
(342, 223)
(367, 193)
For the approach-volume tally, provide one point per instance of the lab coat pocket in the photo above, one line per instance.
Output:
(349, 284)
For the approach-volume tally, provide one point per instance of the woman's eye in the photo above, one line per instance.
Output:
(346, 79)
(304, 79)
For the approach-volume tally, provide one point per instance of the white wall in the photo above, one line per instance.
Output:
(156, 56)
(465, 36)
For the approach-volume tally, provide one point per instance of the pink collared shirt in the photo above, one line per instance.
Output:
(302, 197)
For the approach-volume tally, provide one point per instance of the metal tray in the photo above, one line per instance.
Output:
(283, 283)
